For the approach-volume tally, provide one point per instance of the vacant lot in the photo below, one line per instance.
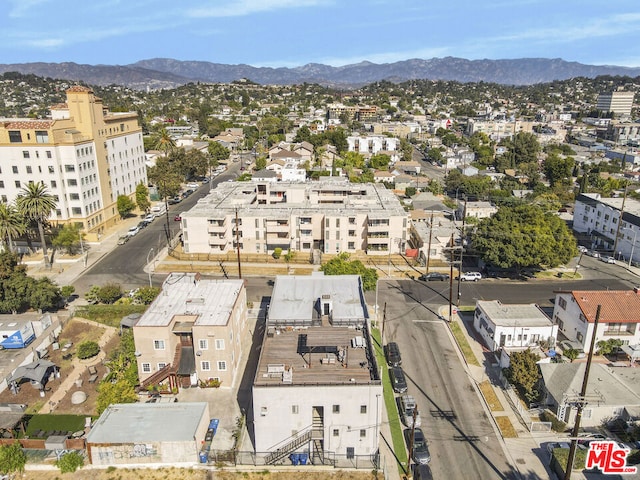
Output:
(192, 474)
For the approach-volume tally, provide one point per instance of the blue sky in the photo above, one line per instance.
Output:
(334, 32)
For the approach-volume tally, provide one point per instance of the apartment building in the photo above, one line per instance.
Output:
(84, 154)
(574, 312)
(317, 389)
(498, 129)
(331, 216)
(192, 333)
(372, 144)
(618, 102)
(599, 218)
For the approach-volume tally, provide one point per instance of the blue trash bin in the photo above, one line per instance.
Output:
(204, 457)
(295, 458)
(304, 458)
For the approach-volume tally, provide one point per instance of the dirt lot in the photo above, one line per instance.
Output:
(191, 474)
(75, 331)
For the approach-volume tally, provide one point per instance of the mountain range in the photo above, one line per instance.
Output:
(169, 73)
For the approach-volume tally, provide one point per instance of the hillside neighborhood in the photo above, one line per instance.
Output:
(383, 280)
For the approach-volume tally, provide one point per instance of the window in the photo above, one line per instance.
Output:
(158, 344)
(336, 432)
(336, 409)
(54, 184)
(161, 365)
(74, 196)
(78, 211)
(14, 169)
(48, 153)
(29, 169)
(1, 184)
(205, 365)
(51, 170)
(69, 168)
(146, 368)
(295, 409)
(203, 344)
(219, 343)
(222, 366)
(351, 452)
(363, 409)
(72, 182)
(42, 136)
(15, 136)
(17, 183)
(363, 433)
(25, 154)
(562, 303)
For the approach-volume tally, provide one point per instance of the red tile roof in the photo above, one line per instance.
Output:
(618, 306)
(79, 88)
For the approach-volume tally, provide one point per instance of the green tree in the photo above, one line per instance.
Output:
(91, 295)
(142, 197)
(125, 205)
(68, 238)
(163, 142)
(379, 161)
(11, 225)
(109, 293)
(165, 177)
(44, 294)
(341, 265)
(36, 203)
(146, 295)
(524, 236)
(523, 373)
(407, 150)
(70, 462)
(571, 354)
(607, 347)
(410, 191)
(557, 169)
(120, 391)
(523, 147)
(261, 163)
(87, 349)
(12, 458)
(67, 290)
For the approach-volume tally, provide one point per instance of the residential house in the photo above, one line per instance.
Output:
(317, 389)
(575, 312)
(513, 325)
(191, 333)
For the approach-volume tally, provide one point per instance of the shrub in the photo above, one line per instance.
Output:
(70, 462)
(557, 425)
(88, 349)
(109, 293)
(12, 458)
(277, 252)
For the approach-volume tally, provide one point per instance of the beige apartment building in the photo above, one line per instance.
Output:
(84, 154)
(192, 332)
(331, 216)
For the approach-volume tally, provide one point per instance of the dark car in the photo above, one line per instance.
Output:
(434, 276)
(420, 452)
(422, 472)
(392, 353)
(398, 381)
(174, 200)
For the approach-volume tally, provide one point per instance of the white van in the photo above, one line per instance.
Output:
(158, 210)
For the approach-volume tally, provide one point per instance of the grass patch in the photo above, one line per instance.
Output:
(390, 403)
(463, 344)
(108, 314)
(51, 422)
(490, 396)
(506, 428)
(562, 455)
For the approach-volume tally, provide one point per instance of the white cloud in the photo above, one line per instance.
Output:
(22, 8)
(238, 8)
(46, 42)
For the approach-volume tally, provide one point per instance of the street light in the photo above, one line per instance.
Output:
(149, 269)
(635, 233)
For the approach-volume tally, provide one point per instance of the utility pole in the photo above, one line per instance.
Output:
(464, 214)
(451, 281)
(581, 402)
(384, 316)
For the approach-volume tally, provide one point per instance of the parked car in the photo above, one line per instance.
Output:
(434, 276)
(567, 345)
(398, 381)
(420, 452)
(186, 193)
(123, 239)
(133, 231)
(470, 276)
(177, 218)
(192, 185)
(608, 259)
(582, 249)
(593, 253)
(406, 408)
(143, 224)
(175, 200)
(553, 445)
(586, 438)
(149, 218)
(392, 352)
(422, 472)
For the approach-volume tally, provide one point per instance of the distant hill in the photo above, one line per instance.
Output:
(168, 73)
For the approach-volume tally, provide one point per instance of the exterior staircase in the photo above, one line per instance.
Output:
(168, 370)
(288, 448)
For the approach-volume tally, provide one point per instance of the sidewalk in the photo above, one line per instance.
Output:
(523, 452)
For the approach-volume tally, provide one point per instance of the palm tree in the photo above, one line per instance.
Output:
(11, 224)
(164, 142)
(35, 203)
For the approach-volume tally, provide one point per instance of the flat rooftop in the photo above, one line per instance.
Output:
(515, 315)
(315, 355)
(188, 297)
(148, 422)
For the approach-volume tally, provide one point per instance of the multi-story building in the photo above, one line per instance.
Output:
(599, 218)
(498, 129)
(317, 389)
(622, 133)
(575, 312)
(331, 216)
(618, 102)
(192, 332)
(84, 154)
(372, 144)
